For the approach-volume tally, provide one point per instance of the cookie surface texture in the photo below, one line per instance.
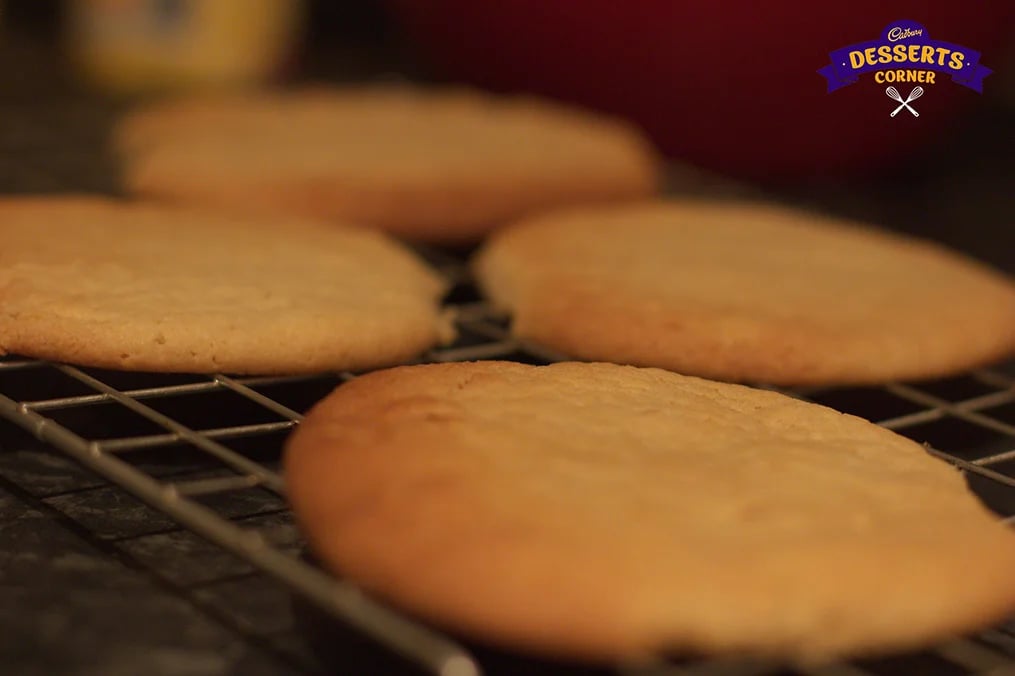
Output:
(598, 511)
(747, 292)
(432, 165)
(103, 283)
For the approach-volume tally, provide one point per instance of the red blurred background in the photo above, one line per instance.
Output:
(730, 86)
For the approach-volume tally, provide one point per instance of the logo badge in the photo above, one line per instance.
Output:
(905, 54)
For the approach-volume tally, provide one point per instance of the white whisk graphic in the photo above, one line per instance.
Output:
(893, 93)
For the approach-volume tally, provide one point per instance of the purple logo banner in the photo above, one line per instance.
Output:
(905, 45)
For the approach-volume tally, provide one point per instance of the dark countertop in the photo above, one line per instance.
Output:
(94, 582)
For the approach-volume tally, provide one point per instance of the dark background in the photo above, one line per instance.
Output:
(956, 188)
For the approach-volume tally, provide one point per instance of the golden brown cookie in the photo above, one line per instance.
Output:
(436, 165)
(608, 512)
(746, 292)
(147, 287)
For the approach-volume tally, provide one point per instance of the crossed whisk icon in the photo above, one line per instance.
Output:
(893, 93)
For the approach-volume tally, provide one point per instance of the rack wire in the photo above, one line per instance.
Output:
(130, 429)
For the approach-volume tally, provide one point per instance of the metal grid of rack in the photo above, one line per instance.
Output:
(137, 431)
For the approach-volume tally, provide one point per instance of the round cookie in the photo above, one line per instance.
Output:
(146, 287)
(434, 165)
(746, 292)
(604, 512)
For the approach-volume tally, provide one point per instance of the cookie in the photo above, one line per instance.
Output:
(434, 165)
(146, 287)
(605, 512)
(746, 292)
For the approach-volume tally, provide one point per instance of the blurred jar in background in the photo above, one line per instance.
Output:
(139, 46)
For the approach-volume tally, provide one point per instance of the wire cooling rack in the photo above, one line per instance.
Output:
(204, 451)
